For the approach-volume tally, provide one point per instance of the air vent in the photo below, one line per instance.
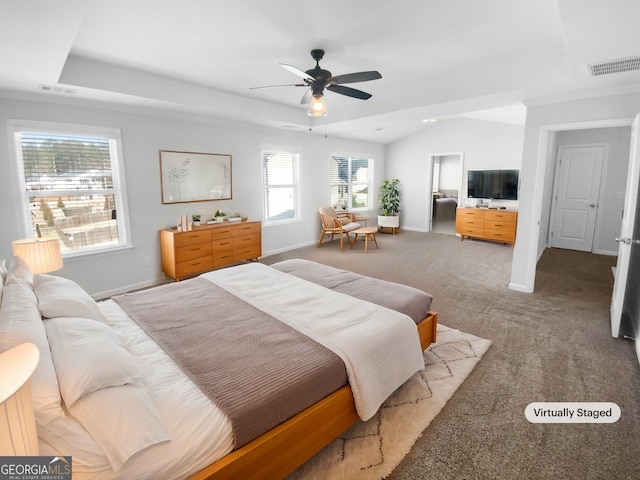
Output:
(614, 66)
(55, 89)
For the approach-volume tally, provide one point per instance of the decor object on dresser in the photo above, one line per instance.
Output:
(194, 177)
(336, 224)
(487, 224)
(18, 435)
(389, 198)
(208, 247)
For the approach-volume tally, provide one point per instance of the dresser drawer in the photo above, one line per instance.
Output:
(507, 236)
(221, 232)
(469, 213)
(463, 222)
(191, 252)
(247, 252)
(192, 267)
(498, 225)
(500, 216)
(247, 241)
(470, 230)
(246, 229)
(192, 238)
(222, 244)
(222, 258)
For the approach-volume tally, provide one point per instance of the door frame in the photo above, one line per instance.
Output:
(429, 189)
(528, 260)
(556, 183)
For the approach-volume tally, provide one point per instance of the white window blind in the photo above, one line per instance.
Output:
(280, 185)
(350, 182)
(72, 189)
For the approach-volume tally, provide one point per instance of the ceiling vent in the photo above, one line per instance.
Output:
(56, 89)
(614, 66)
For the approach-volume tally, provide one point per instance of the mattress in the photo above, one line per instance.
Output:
(401, 298)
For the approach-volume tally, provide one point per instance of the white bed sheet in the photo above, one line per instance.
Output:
(200, 432)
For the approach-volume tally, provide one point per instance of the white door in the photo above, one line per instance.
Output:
(576, 197)
(626, 232)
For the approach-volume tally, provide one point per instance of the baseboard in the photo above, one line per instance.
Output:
(286, 249)
(130, 288)
(606, 252)
(520, 288)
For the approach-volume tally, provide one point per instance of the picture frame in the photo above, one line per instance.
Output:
(194, 176)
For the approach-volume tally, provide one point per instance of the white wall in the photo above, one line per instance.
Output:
(146, 132)
(485, 145)
(450, 172)
(535, 177)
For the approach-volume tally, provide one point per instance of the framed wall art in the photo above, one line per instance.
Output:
(194, 177)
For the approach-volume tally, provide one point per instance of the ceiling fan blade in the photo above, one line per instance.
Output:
(349, 92)
(278, 86)
(298, 72)
(306, 97)
(355, 77)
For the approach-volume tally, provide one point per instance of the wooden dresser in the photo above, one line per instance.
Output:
(208, 247)
(487, 224)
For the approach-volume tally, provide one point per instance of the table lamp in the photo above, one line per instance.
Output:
(18, 435)
(41, 254)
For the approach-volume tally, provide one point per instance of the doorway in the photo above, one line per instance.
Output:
(446, 184)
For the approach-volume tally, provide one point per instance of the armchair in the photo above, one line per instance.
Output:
(334, 224)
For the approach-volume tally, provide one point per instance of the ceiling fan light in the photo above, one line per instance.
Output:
(317, 106)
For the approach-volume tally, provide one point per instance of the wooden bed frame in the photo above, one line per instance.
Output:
(280, 451)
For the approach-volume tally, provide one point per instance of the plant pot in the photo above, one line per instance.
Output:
(196, 224)
(390, 222)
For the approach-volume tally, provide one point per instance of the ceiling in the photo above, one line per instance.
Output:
(438, 58)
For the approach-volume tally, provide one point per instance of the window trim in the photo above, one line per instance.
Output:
(25, 226)
(296, 184)
(370, 179)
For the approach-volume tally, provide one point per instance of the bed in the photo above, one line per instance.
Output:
(143, 417)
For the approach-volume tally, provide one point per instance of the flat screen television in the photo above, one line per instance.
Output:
(494, 184)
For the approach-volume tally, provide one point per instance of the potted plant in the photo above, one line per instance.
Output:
(196, 219)
(219, 216)
(389, 198)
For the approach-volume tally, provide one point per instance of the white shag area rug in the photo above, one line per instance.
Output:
(371, 450)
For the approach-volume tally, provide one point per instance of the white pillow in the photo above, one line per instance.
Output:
(61, 297)
(122, 420)
(20, 322)
(19, 272)
(89, 356)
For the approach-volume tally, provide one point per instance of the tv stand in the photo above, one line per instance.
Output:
(487, 224)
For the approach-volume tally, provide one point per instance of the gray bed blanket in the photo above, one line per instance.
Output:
(401, 298)
(257, 370)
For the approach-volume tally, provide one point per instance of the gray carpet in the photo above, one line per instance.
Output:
(552, 345)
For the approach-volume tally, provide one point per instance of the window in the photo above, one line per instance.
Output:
(72, 185)
(279, 185)
(351, 182)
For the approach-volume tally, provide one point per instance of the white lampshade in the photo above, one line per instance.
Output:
(317, 106)
(41, 254)
(18, 435)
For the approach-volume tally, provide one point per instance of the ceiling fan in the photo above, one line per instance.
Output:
(317, 79)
